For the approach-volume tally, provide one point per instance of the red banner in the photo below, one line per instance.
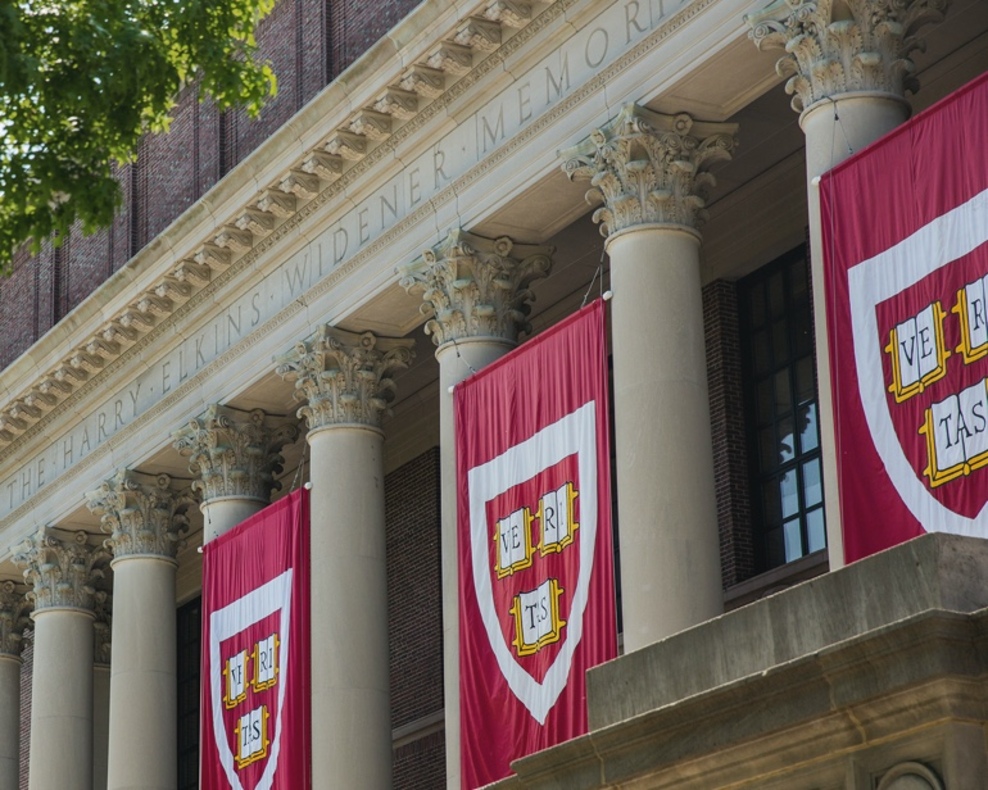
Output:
(534, 542)
(255, 652)
(905, 226)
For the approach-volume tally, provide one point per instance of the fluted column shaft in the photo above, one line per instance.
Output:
(144, 518)
(474, 323)
(848, 76)
(344, 379)
(10, 720)
(61, 573)
(650, 172)
(12, 620)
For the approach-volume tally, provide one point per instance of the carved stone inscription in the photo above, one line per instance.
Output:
(612, 33)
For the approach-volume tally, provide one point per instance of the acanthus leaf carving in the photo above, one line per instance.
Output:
(649, 168)
(62, 572)
(477, 287)
(142, 514)
(844, 46)
(345, 378)
(235, 453)
(14, 609)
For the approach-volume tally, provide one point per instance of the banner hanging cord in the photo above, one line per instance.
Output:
(300, 469)
(460, 357)
(599, 271)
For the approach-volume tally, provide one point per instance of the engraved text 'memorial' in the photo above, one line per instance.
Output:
(475, 287)
(14, 607)
(235, 453)
(835, 47)
(61, 572)
(141, 513)
(344, 377)
(649, 168)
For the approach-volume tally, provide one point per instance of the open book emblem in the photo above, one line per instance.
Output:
(249, 648)
(533, 527)
(919, 312)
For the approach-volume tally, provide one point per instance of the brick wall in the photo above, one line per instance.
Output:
(421, 764)
(720, 310)
(308, 42)
(415, 614)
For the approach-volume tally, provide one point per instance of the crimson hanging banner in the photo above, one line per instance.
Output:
(905, 226)
(255, 652)
(534, 542)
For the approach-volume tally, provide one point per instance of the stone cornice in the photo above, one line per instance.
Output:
(649, 168)
(434, 66)
(844, 46)
(344, 377)
(142, 514)
(235, 453)
(14, 608)
(475, 287)
(61, 572)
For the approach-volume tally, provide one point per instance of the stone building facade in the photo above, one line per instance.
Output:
(168, 377)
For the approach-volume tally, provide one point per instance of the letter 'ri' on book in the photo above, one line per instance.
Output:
(918, 353)
(972, 310)
(956, 431)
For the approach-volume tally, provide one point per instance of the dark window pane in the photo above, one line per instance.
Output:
(789, 494)
(783, 396)
(756, 301)
(776, 334)
(787, 440)
(805, 384)
(776, 294)
(762, 352)
(809, 433)
(816, 530)
(780, 344)
(812, 485)
(794, 542)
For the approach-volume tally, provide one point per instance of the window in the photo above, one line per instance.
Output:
(189, 623)
(779, 369)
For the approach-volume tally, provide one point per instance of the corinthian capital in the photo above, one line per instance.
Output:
(14, 607)
(141, 513)
(235, 453)
(475, 287)
(61, 572)
(844, 46)
(649, 168)
(344, 377)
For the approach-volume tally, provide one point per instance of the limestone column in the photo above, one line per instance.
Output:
(849, 67)
(650, 171)
(477, 292)
(144, 519)
(13, 618)
(344, 378)
(235, 456)
(62, 573)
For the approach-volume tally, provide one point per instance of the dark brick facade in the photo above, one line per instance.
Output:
(720, 311)
(421, 764)
(415, 615)
(307, 42)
